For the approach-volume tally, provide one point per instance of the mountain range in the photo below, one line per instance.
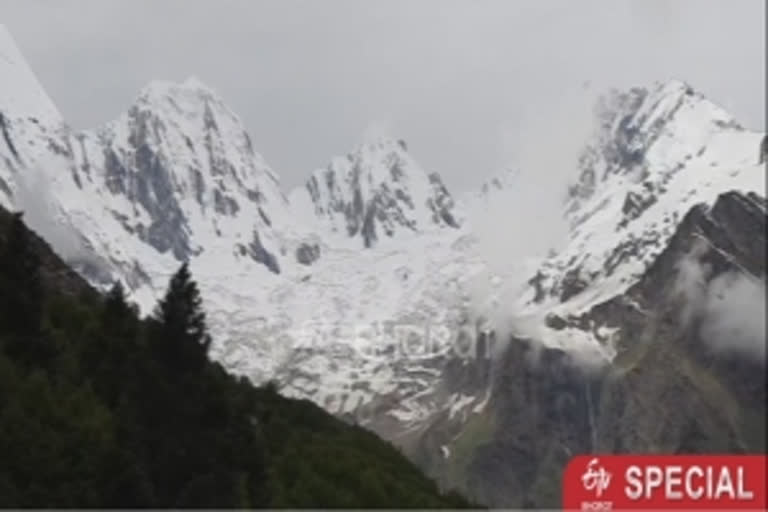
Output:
(368, 291)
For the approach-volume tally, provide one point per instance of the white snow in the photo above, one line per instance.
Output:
(356, 325)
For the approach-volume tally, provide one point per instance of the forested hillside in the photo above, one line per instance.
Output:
(99, 408)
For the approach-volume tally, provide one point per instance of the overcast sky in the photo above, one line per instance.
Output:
(461, 81)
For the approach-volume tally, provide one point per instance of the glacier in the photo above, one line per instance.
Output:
(357, 289)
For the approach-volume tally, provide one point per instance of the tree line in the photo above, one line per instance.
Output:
(101, 408)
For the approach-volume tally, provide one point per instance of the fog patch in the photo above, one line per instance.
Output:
(733, 315)
(34, 198)
(691, 284)
(728, 309)
(519, 226)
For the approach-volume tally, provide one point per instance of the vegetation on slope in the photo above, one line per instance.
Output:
(99, 408)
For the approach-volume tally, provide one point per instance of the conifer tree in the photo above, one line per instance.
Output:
(182, 335)
(115, 305)
(107, 354)
(22, 289)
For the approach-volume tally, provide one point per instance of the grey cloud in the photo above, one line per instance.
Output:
(728, 309)
(734, 316)
(450, 77)
(33, 197)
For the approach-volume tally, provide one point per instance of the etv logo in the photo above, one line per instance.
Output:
(665, 482)
(596, 479)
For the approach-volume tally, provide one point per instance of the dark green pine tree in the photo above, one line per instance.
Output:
(182, 339)
(115, 305)
(107, 354)
(21, 297)
(20, 270)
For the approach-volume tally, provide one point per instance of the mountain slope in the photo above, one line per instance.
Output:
(641, 317)
(77, 430)
(172, 178)
(657, 153)
(29, 121)
(368, 294)
(376, 191)
(181, 157)
(688, 375)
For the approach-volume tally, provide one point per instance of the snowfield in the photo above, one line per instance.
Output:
(397, 277)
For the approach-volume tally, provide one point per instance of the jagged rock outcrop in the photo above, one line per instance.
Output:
(675, 384)
(656, 152)
(376, 192)
(605, 359)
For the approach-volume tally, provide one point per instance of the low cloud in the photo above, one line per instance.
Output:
(691, 284)
(733, 315)
(518, 226)
(728, 309)
(542, 147)
(34, 197)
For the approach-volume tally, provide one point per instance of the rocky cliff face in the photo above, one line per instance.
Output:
(182, 157)
(174, 178)
(375, 192)
(688, 376)
(360, 292)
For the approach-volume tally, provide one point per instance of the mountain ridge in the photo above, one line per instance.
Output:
(377, 187)
(369, 291)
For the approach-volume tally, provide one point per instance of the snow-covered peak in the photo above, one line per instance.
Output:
(657, 152)
(374, 192)
(188, 97)
(182, 176)
(20, 92)
(204, 142)
(630, 123)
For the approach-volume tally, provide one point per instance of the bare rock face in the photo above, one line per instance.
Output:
(662, 227)
(677, 383)
(306, 254)
(378, 191)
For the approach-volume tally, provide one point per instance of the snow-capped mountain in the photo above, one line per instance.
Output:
(364, 291)
(180, 155)
(174, 178)
(598, 352)
(29, 121)
(657, 153)
(376, 192)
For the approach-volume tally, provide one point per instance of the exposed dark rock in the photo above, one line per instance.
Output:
(264, 217)
(306, 253)
(4, 188)
(5, 128)
(260, 254)
(555, 322)
(537, 282)
(665, 392)
(572, 284)
(384, 207)
(150, 185)
(441, 202)
(634, 205)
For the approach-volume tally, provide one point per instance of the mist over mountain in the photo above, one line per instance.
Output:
(611, 274)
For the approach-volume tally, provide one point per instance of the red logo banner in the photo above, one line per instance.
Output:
(665, 482)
